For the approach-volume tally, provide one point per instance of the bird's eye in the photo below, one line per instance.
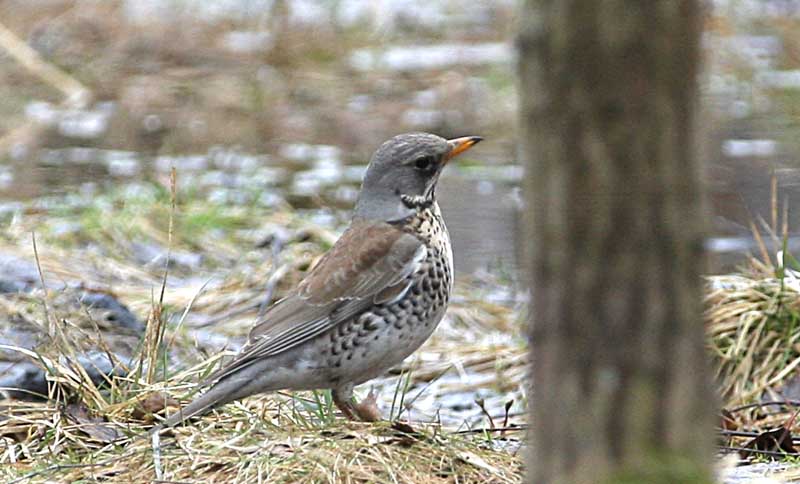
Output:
(423, 163)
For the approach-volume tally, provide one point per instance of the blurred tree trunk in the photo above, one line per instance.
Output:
(621, 391)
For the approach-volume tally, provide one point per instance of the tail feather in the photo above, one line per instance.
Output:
(221, 393)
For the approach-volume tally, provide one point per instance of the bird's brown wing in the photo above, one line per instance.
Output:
(370, 263)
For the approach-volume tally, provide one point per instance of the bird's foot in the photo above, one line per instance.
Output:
(347, 409)
(368, 410)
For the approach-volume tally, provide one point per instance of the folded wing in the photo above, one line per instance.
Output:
(369, 264)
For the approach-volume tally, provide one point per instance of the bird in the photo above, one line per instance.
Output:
(371, 300)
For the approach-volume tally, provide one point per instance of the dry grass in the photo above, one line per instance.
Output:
(752, 319)
(88, 434)
(268, 438)
(753, 331)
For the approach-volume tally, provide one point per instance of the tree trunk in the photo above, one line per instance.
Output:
(621, 391)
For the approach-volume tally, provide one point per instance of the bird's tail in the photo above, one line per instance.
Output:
(222, 392)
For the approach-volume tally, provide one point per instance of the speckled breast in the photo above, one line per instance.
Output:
(385, 335)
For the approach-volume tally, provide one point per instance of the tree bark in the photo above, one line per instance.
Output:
(620, 386)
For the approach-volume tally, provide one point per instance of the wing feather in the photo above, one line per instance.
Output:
(370, 264)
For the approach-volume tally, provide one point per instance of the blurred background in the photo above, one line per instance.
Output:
(288, 98)
(292, 96)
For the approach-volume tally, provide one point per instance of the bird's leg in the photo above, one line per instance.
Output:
(343, 398)
(366, 411)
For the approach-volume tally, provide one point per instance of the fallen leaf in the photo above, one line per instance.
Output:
(775, 440)
(152, 404)
(477, 461)
(728, 420)
(94, 427)
(404, 428)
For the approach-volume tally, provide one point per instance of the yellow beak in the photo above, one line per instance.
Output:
(460, 145)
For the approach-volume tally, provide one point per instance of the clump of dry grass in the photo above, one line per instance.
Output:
(753, 320)
(753, 330)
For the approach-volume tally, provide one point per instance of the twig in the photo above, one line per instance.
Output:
(155, 323)
(726, 448)
(482, 404)
(156, 444)
(737, 433)
(186, 312)
(272, 281)
(750, 435)
(773, 191)
(426, 387)
(47, 325)
(173, 197)
(495, 429)
(76, 92)
(227, 315)
(507, 409)
(784, 403)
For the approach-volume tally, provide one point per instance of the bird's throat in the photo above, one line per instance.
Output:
(418, 202)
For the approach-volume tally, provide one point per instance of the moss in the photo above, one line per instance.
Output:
(664, 469)
(211, 217)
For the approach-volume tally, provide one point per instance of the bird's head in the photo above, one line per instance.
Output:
(402, 174)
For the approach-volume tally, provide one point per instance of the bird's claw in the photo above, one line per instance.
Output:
(368, 410)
